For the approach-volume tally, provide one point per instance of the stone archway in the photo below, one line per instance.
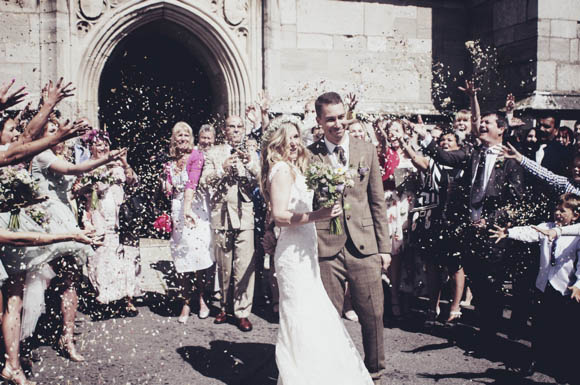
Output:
(217, 48)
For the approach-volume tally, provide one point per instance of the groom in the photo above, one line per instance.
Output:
(355, 255)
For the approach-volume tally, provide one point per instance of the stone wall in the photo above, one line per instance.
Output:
(383, 51)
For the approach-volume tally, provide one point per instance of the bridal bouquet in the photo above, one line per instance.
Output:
(90, 180)
(38, 216)
(17, 190)
(163, 223)
(328, 184)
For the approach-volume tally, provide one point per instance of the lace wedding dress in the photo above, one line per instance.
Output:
(313, 345)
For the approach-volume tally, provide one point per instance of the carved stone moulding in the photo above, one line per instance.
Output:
(235, 11)
(90, 11)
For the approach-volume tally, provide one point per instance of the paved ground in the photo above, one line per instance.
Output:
(153, 348)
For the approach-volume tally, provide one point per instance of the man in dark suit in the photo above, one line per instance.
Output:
(495, 185)
(356, 254)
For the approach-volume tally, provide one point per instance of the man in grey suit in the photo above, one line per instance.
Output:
(232, 173)
(354, 256)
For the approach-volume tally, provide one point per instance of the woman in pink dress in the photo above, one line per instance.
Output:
(112, 269)
(191, 234)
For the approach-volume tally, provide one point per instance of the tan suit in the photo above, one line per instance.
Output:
(353, 256)
(232, 219)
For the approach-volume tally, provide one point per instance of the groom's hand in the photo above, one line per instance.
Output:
(385, 260)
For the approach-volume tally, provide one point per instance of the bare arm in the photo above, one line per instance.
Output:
(17, 152)
(471, 92)
(24, 238)
(64, 167)
(52, 95)
(280, 196)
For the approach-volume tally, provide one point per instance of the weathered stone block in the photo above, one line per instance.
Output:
(287, 11)
(376, 43)
(543, 48)
(314, 41)
(508, 13)
(287, 36)
(379, 20)
(560, 49)
(419, 46)
(348, 43)
(546, 76)
(526, 30)
(504, 36)
(563, 28)
(24, 52)
(568, 77)
(565, 9)
(14, 27)
(297, 62)
(544, 27)
(574, 50)
(405, 27)
(330, 17)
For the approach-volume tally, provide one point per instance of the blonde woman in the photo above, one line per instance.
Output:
(191, 234)
(307, 352)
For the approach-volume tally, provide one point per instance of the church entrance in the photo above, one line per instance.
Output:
(155, 77)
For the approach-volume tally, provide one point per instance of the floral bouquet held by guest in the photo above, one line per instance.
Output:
(17, 190)
(328, 184)
(163, 223)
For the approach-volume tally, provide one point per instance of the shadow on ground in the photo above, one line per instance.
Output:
(234, 363)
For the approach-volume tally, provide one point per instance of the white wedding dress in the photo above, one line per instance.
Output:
(313, 347)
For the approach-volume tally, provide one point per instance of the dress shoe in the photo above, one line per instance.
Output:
(221, 318)
(244, 324)
(203, 313)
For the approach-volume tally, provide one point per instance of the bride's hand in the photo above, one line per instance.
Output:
(330, 212)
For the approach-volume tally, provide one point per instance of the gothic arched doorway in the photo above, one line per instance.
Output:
(153, 79)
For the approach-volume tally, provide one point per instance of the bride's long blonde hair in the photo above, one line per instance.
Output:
(275, 149)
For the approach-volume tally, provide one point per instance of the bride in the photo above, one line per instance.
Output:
(313, 345)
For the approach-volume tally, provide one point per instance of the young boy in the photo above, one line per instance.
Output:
(555, 318)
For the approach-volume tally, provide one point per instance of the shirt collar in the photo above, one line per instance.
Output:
(331, 146)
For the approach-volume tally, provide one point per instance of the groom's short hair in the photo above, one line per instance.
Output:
(326, 98)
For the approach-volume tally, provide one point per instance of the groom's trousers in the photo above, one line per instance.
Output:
(363, 274)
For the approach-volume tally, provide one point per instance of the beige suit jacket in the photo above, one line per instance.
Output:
(366, 220)
(231, 202)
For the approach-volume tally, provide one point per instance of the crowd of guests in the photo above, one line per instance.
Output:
(460, 201)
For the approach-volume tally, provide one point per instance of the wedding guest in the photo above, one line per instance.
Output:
(309, 123)
(437, 214)
(357, 130)
(495, 184)
(558, 282)
(191, 234)
(206, 137)
(399, 177)
(232, 172)
(565, 137)
(462, 125)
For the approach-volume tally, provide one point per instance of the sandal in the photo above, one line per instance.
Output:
(15, 376)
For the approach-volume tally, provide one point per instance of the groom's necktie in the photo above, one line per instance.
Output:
(339, 151)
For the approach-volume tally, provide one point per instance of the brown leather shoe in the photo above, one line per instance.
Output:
(244, 324)
(221, 318)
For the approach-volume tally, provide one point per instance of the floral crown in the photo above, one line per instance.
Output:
(277, 123)
(95, 135)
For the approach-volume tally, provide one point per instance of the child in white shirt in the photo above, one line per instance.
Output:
(558, 280)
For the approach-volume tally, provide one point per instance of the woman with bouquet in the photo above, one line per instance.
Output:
(307, 352)
(112, 268)
(51, 174)
(191, 234)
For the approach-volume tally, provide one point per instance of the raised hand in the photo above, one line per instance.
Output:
(251, 114)
(52, 94)
(351, 101)
(419, 128)
(72, 129)
(469, 89)
(118, 154)
(499, 233)
(8, 99)
(510, 103)
(510, 152)
(550, 233)
(263, 101)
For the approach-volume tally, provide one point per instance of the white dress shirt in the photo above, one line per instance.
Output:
(564, 272)
(331, 146)
(540, 153)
